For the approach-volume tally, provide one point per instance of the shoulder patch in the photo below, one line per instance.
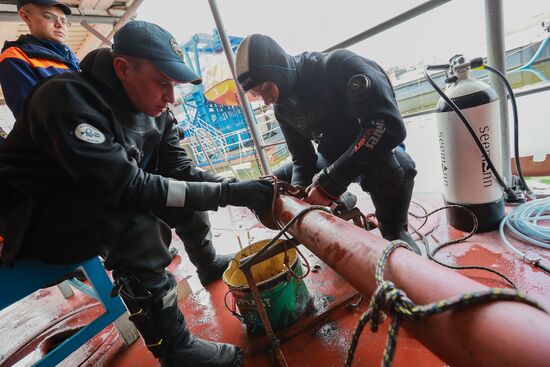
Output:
(89, 134)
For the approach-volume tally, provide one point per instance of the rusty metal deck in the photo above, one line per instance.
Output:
(31, 326)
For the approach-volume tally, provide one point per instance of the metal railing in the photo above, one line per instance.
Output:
(211, 147)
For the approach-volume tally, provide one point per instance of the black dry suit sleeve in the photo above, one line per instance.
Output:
(370, 100)
(174, 162)
(79, 140)
(254, 194)
(304, 158)
(197, 196)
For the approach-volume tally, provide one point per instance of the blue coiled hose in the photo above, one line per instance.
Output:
(528, 222)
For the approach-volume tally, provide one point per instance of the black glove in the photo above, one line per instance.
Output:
(256, 195)
(207, 176)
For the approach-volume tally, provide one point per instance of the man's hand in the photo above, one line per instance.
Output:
(316, 197)
(324, 190)
(208, 176)
(257, 195)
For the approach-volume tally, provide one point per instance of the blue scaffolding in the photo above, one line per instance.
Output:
(198, 110)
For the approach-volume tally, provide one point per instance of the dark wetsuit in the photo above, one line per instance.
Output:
(84, 173)
(345, 103)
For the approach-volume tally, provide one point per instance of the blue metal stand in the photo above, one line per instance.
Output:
(28, 276)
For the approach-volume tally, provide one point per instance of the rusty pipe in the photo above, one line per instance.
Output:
(495, 334)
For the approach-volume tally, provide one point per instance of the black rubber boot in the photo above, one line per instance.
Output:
(398, 232)
(210, 266)
(154, 310)
(202, 353)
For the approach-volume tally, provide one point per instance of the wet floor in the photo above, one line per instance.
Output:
(31, 327)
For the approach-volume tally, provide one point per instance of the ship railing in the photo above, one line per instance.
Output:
(210, 146)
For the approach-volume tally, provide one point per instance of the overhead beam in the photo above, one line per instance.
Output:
(104, 4)
(94, 38)
(409, 14)
(126, 17)
(98, 11)
(91, 19)
(83, 4)
(95, 4)
(96, 33)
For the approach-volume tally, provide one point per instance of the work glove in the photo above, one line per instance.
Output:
(325, 188)
(256, 195)
(207, 176)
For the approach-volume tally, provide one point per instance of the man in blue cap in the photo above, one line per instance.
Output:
(345, 104)
(93, 166)
(38, 55)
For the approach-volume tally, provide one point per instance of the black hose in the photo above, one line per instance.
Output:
(511, 195)
(516, 124)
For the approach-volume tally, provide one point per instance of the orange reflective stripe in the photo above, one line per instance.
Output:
(17, 53)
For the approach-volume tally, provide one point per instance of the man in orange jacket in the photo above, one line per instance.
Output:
(38, 55)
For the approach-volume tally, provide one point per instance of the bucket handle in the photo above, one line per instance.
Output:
(289, 269)
(233, 310)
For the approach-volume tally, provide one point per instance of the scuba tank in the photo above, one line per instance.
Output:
(467, 177)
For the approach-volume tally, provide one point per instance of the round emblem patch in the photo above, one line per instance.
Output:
(89, 134)
(358, 86)
(176, 47)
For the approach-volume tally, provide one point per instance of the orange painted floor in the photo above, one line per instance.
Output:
(31, 326)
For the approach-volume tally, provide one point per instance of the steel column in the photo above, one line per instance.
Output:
(496, 334)
(494, 29)
(245, 104)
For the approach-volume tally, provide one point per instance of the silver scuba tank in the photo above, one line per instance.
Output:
(467, 177)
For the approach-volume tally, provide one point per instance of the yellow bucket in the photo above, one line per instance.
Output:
(284, 297)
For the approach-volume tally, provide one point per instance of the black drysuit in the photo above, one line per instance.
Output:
(84, 173)
(345, 103)
(83, 170)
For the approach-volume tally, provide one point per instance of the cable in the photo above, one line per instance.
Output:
(523, 222)
(511, 195)
(516, 123)
(431, 254)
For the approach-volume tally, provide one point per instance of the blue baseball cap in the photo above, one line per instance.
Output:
(148, 41)
(63, 7)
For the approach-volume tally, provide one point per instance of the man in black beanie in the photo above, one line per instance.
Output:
(344, 103)
(93, 166)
